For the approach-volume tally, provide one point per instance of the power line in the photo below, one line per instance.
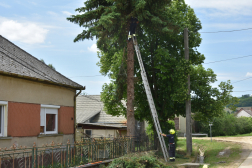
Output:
(228, 59)
(242, 91)
(170, 69)
(241, 80)
(228, 31)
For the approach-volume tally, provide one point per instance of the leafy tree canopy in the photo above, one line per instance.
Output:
(161, 41)
(245, 101)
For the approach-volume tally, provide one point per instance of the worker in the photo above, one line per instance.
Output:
(133, 25)
(171, 144)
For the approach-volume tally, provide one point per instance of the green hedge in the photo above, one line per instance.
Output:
(147, 160)
(227, 125)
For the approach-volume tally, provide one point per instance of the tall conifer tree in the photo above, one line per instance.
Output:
(160, 39)
(109, 21)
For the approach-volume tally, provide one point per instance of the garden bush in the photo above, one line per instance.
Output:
(137, 161)
(227, 125)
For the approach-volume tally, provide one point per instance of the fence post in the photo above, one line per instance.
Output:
(68, 150)
(33, 155)
(139, 143)
(104, 147)
(36, 154)
(113, 151)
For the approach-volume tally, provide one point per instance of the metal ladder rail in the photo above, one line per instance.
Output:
(150, 101)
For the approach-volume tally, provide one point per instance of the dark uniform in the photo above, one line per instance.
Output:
(171, 147)
(133, 25)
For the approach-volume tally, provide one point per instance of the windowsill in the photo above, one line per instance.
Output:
(2, 138)
(49, 135)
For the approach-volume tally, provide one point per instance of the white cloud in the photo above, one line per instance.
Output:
(67, 13)
(52, 13)
(223, 7)
(27, 32)
(93, 48)
(4, 5)
(249, 74)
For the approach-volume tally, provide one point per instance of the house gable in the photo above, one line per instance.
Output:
(244, 113)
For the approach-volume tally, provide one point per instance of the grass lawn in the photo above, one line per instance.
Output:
(212, 150)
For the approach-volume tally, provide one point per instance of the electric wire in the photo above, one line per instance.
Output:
(243, 91)
(228, 59)
(228, 31)
(241, 80)
(171, 69)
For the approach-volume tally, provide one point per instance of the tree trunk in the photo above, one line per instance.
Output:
(130, 89)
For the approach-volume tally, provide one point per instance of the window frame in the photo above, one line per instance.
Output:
(3, 106)
(90, 131)
(44, 106)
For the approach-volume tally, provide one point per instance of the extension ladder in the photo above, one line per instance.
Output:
(150, 100)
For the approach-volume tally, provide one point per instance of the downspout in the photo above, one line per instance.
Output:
(75, 125)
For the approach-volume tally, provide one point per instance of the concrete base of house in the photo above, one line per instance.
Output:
(39, 140)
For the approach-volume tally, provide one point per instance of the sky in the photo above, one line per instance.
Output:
(40, 28)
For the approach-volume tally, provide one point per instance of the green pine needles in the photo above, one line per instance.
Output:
(161, 42)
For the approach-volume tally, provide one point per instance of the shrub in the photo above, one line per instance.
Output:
(136, 161)
(227, 125)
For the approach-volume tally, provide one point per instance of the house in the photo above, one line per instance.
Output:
(93, 121)
(244, 112)
(180, 127)
(37, 104)
(180, 124)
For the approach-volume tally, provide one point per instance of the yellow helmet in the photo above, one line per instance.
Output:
(205, 166)
(172, 131)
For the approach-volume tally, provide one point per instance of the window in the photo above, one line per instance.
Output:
(3, 118)
(49, 119)
(88, 133)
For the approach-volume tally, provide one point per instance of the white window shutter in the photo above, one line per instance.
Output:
(42, 117)
(52, 111)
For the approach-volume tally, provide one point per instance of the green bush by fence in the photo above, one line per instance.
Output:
(137, 161)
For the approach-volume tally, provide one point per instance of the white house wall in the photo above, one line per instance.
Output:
(243, 114)
(104, 133)
(182, 124)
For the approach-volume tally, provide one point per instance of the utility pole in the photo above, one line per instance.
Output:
(188, 102)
